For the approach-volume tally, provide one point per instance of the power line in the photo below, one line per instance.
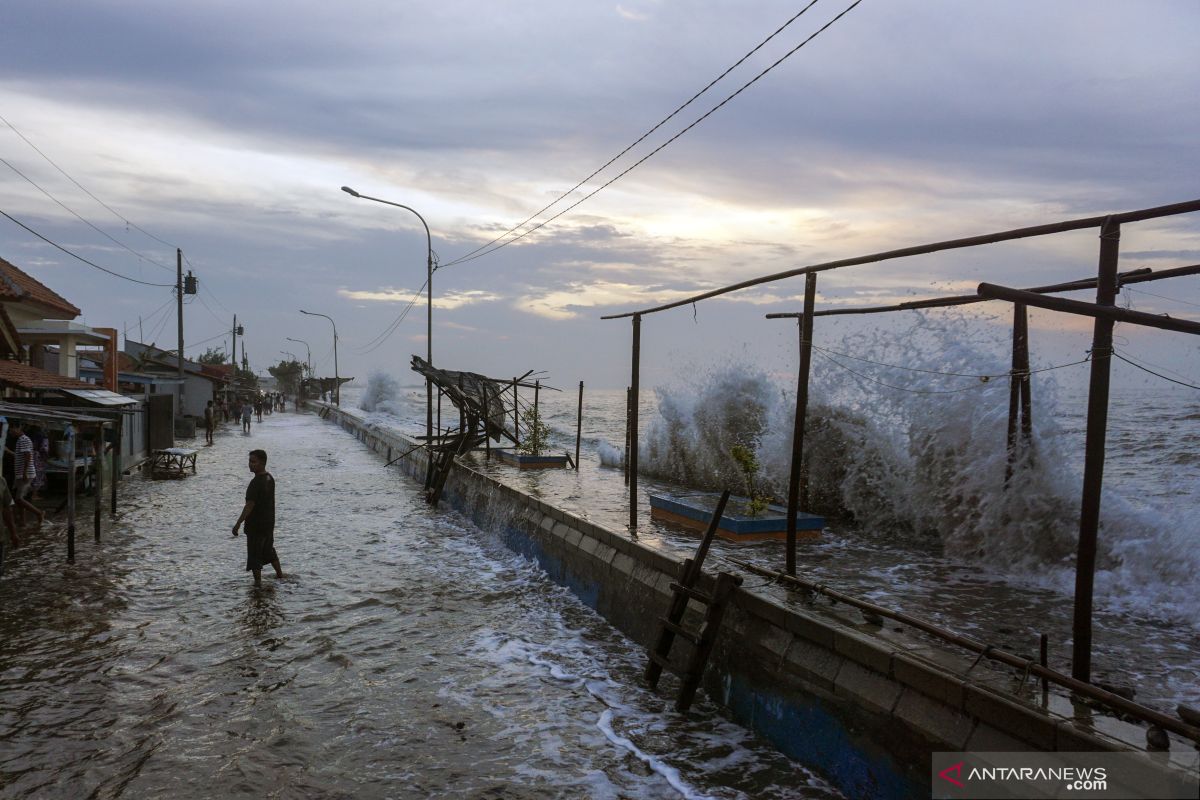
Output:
(114, 212)
(643, 137)
(656, 150)
(374, 343)
(983, 380)
(1161, 297)
(75, 214)
(81, 258)
(1152, 372)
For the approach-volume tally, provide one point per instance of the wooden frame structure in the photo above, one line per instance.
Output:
(1106, 284)
(71, 423)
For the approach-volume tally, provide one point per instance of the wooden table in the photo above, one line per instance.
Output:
(172, 462)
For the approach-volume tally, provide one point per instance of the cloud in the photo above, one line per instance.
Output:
(563, 302)
(443, 300)
(634, 16)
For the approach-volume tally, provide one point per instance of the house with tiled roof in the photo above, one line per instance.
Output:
(37, 325)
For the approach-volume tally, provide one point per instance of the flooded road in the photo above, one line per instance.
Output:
(406, 654)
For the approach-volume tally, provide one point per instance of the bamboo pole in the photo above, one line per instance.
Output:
(487, 422)
(625, 455)
(537, 390)
(634, 382)
(1107, 312)
(98, 482)
(794, 475)
(70, 494)
(116, 463)
(1018, 376)
(578, 425)
(1093, 466)
(988, 651)
(1139, 215)
(516, 416)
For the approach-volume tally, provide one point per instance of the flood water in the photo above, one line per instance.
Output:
(405, 654)
(1147, 613)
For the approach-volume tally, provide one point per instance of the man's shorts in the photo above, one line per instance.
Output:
(21, 488)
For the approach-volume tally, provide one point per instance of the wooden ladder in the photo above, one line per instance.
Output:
(670, 626)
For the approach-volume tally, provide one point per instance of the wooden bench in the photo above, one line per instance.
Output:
(172, 462)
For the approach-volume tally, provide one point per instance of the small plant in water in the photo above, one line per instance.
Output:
(748, 463)
(535, 435)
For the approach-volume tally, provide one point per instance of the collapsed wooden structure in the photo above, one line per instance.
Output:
(488, 411)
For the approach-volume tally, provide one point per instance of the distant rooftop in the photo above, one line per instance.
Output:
(17, 286)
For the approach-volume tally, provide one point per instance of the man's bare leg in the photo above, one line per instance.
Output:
(278, 569)
(257, 577)
(25, 505)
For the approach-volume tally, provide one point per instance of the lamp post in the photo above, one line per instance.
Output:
(428, 320)
(337, 383)
(307, 361)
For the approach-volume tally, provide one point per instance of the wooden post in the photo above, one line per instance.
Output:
(1026, 391)
(794, 485)
(439, 417)
(487, 422)
(1093, 466)
(516, 417)
(1018, 375)
(578, 425)
(116, 463)
(1044, 660)
(625, 454)
(634, 381)
(537, 389)
(98, 481)
(70, 494)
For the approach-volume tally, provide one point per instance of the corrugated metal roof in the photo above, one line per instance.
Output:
(45, 413)
(101, 397)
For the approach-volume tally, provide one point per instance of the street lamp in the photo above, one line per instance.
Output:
(308, 361)
(428, 321)
(337, 383)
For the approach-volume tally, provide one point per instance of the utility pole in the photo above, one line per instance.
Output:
(233, 356)
(179, 306)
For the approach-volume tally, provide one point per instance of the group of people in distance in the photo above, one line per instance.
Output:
(244, 408)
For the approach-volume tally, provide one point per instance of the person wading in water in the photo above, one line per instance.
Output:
(259, 516)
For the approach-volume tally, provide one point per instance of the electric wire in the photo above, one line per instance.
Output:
(79, 217)
(983, 377)
(154, 313)
(983, 380)
(643, 137)
(112, 210)
(1161, 297)
(1152, 372)
(81, 258)
(162, 324)
(377, 342)
(128, 223)
(206, 341)
(211, 313)
(662, 146)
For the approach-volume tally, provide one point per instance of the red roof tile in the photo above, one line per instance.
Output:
(15, 375)
(17, 286)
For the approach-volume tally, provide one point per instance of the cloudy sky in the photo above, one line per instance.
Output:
(226, 128)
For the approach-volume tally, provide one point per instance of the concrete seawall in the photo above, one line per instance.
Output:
(865, 705)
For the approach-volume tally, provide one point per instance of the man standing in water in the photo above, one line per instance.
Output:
(210, 419)
(259, 516)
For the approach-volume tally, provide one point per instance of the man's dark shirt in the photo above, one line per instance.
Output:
(262, 491)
